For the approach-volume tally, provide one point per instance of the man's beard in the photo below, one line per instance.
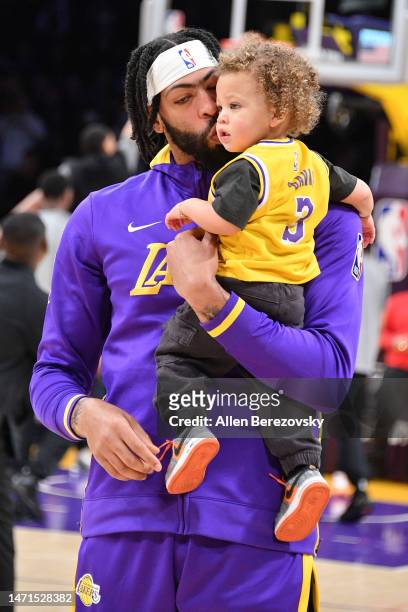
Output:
(197, 145)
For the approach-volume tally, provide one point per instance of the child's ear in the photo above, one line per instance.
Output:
(276, 121)
(158, 125)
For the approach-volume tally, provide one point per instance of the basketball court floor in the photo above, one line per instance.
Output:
(362, 567)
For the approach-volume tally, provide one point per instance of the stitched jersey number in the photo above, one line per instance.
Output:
(296, 232)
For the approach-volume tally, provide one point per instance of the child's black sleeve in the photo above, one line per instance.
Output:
(236, 193)
(342, 183)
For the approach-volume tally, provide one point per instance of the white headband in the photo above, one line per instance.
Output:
(173, 64)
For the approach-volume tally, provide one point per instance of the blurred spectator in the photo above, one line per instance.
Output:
(393, 394)
(394, 334)
(22, 309)
(101, 163)
(129, 148)
(352, 458)
(57, 201)
(52, 199)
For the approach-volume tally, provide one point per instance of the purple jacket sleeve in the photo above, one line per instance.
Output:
(66, 365)
(326, 347)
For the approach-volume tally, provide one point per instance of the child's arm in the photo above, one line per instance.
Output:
(362, 200)
(203, 214)
(346, 188)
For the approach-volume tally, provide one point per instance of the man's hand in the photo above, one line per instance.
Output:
(193, 264)
(368, 229)
(115, 439)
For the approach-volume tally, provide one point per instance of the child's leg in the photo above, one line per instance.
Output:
(296, 447)
(186, 358)
(279, 301)
(306, 492)
(294, 444)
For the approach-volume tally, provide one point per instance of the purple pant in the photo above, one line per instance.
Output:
(135, 572)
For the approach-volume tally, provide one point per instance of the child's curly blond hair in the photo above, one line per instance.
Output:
(289, 81)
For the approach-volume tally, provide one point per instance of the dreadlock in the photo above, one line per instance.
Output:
(141, 59)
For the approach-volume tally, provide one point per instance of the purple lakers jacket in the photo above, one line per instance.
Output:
(111, 295)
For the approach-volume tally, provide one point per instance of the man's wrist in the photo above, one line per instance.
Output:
(77, 423)
(207, 300)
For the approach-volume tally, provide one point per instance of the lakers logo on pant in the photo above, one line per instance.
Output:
(88, 591)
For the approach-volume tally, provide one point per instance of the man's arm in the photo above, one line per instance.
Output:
(325, 348)
(76, 324)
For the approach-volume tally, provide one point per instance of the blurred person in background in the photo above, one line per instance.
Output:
(351, 454)
(394, 335)
(101, 164)
(393, 394)
(129, 149)
(22, 310)
(52, 199)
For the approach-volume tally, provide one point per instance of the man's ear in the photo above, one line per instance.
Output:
(158, 125)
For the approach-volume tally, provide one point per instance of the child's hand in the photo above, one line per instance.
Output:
(175, 219)
(368, 229)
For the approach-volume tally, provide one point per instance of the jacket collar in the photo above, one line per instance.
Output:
(188, 175)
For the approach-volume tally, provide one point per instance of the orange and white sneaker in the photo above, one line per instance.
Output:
(306, 496)
(192, 452)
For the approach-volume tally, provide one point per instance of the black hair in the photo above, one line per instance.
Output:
(92, 137)
(141, 59)
(23, 230)
(53, 184)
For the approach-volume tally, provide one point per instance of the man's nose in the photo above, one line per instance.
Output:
(207, 104)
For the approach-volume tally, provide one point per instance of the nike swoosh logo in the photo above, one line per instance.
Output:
(177, 447)
(131, 228)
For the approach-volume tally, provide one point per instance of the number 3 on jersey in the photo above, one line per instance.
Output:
(294, 233)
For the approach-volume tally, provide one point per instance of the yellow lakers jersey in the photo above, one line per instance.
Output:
(277, 244)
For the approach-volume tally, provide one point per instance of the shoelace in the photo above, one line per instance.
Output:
(288, 492)
(167, 445)
(278, 480)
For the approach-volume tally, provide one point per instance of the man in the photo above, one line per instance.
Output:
(214, 548)
(22, 309)
(101, 163)
(58, 198)
(52, 200)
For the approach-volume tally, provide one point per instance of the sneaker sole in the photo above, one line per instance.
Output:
(192, 472)
(305, 516)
